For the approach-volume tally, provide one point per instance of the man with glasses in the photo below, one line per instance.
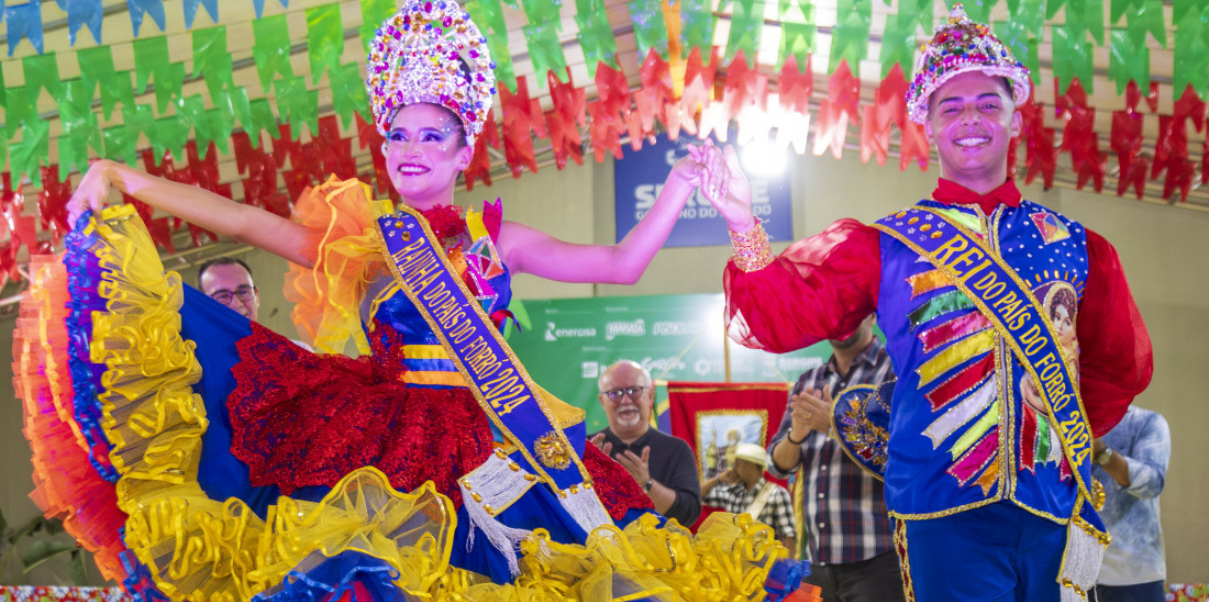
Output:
(229, 281)
(661, 464)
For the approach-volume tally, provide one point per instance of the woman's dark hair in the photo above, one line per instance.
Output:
(1063, 297)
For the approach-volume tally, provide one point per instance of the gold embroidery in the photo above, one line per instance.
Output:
(552, 452)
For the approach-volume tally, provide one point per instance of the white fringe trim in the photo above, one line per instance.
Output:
(497, 484)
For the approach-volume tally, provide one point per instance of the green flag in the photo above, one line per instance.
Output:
(596, 39)
(1191, 52)
(650, 31)
(31, 152)
(373, 13)
(1147, 17)
(850, 38)
(96, 67)
(1127, 61)
(746, 25)
(1072, 58)
(349, 96)
(545, 51)
(271, 50)
(121, 144)
(150, 59)
(502, 57)
(797, 40)
(19, 112)
(169, 134)
(41, 71)
(1016, 35)
(542, 12)
(801, 11)
(1030, 14)
(325, 39)
(697, 26)
(898, 44)
(212, 60)
(297, 105)
(263, 120)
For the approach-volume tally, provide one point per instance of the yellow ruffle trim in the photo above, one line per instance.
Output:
(201, 549)
(348, 255)
(198, 548)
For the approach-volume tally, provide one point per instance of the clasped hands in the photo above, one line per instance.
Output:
(716, 172)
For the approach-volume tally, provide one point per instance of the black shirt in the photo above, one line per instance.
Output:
(672, 465)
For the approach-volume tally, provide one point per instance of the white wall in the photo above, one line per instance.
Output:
(1162, 249)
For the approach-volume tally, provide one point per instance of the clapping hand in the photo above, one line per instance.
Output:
(811, 411)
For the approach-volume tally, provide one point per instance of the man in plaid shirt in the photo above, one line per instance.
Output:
(743, 489)
(848, 535)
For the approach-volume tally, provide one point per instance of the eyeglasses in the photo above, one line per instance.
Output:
(616, 394)
(245, 293)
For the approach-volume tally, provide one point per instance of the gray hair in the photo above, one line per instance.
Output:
(644, 379)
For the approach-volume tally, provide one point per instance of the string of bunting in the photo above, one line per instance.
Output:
(687, 86)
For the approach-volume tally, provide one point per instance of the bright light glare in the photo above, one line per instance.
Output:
(763, 158)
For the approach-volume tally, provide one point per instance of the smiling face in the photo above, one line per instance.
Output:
(629, 414)
(971, 121)
(425, 152)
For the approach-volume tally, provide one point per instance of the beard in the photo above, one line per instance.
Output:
(629, 418)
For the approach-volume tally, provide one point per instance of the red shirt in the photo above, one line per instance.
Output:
(823, 286)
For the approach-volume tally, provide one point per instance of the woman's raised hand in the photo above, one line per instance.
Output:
(691, 169)
(727, 188)
(90, 193)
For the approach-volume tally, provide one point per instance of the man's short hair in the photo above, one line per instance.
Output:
(221, 261)
(644, 380)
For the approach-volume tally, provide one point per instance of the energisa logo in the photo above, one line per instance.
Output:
(637, 328)
(554, 333)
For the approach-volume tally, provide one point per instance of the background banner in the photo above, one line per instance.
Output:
(675, 337)
(639, 176)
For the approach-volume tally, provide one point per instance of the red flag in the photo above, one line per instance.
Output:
(519, 125)
(914, 147)
(795, 86)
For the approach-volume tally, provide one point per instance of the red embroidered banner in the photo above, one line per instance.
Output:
(715, 417)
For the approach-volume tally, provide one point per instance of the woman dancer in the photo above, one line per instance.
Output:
(191, 422)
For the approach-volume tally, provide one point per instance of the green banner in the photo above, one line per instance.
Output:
(675, 337)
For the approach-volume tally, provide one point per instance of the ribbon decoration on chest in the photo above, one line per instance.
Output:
(1006, 301)
(504, 390)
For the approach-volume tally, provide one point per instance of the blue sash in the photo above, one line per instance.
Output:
(500, 384)
(999, 294)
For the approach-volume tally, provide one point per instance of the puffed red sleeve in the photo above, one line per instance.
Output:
(819, 288)
(1115, 359)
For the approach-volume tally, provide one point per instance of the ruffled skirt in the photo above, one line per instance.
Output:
(128, 376)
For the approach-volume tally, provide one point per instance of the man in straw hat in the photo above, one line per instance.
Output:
(743, 489)
(979, 479)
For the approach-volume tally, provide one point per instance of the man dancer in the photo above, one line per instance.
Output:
(992, 494)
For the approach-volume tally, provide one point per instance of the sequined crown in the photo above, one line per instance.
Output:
(430, 52)
(958, 46)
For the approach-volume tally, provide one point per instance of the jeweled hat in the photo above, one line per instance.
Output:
(430, 51)
(958, 46)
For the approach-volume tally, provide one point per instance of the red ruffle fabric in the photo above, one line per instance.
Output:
(819, 288)
(615, 487)
(1115, 356)
(301, 419)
